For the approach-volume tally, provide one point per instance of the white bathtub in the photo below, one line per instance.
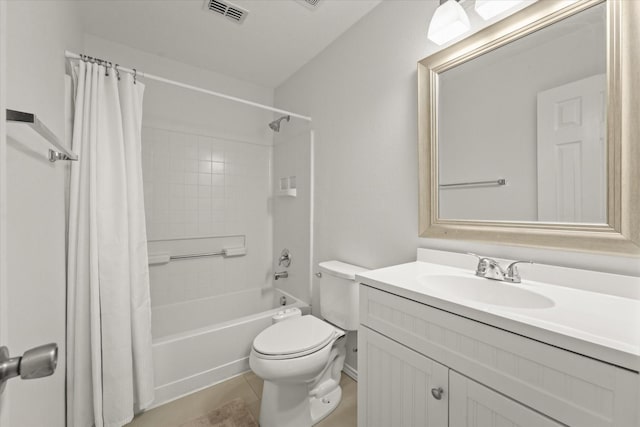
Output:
(201, 342)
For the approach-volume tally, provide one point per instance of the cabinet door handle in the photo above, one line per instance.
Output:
(437, 393)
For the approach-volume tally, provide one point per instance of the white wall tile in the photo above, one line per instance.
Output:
(190, 192)
(192, 165)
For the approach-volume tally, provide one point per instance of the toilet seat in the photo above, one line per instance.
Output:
(295, 338)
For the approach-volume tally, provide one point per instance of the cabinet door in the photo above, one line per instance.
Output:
(474, 405)
(395, 385)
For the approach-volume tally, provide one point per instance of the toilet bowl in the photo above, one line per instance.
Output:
(300, 361)
(301, 358)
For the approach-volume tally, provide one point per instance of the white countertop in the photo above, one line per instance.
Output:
(600, 326)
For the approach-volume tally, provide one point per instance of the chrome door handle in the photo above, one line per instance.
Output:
(37, 362)
(437, 393)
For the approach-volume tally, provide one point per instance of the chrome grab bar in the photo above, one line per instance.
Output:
(202, 255)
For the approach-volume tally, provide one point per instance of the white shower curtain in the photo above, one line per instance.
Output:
(109, 366)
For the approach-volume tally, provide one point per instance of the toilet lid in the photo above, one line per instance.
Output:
(297, 335)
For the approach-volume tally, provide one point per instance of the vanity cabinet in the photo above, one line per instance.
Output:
(488, 376)
(404, 389)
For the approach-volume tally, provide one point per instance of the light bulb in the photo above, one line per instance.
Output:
(448, 22)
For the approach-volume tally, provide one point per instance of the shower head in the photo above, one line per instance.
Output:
(275, 125)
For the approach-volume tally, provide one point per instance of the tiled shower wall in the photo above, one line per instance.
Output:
(200, 186)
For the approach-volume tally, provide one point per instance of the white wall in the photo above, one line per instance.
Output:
(207, 171)
(38, 32)
(362, 94)
(291, 215)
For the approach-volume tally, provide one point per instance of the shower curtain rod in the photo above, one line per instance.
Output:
(135, 72)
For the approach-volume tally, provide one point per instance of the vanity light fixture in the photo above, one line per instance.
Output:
(448, 22)
(487, 9)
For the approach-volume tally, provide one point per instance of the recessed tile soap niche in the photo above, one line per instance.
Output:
(287, 187)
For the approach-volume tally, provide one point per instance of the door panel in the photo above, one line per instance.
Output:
(474, 405)
(395, 384)
(4, 409)
(33, 296)
(571, 152)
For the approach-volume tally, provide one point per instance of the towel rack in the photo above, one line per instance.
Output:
(161, 250)
(500, 181)
(202, 255)
(60, 153)
(163, 258)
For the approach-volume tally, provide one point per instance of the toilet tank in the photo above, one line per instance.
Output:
(339, 294)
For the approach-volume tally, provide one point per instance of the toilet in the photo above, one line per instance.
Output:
(300, 358)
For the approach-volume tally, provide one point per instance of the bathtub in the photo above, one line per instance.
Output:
(202, 342)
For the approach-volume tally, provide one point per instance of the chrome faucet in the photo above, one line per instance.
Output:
(281, 275)
(491, 269)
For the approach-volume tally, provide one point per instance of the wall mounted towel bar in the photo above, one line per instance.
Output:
(59, 153)
(164, 258)
(202, 255)
(163, 251)
(500, 181)
(226, 252)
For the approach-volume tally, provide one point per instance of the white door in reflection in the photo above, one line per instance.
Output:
(571, 149)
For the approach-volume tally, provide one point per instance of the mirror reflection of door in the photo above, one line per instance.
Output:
(571, 150)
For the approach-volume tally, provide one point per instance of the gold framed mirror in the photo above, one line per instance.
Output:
(592, 203)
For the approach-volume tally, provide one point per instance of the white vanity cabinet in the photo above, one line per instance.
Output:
(488, 376)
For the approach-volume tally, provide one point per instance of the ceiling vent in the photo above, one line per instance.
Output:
(311, 4)
(228, 10)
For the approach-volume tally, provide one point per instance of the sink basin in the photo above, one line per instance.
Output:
(485, 291)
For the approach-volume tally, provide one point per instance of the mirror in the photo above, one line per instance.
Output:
(521, 133)
(534, 128)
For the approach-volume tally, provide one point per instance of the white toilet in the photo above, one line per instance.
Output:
(300, 359)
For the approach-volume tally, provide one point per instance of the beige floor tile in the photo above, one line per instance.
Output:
(195, 405)
(248, 387)
(345, 415)
(339, 419)
(254, 408)
(345, 379)
(255, 382)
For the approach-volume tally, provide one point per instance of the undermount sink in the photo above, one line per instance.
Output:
(485, 291)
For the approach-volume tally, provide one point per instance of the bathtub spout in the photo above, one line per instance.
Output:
(281, 275)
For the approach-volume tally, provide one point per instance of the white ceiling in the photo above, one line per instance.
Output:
(275, 40)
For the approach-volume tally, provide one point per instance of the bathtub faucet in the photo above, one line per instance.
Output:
(281, 275)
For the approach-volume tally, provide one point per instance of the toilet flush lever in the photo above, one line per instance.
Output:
(37, 362)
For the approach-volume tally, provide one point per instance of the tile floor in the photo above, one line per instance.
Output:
(248, 387)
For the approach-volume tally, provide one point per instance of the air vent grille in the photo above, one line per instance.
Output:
(228, 10)
(310, 4)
